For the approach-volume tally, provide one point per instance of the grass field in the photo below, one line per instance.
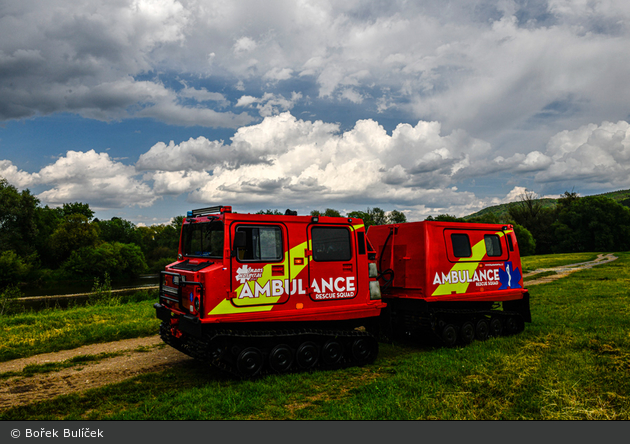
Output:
(572, 362)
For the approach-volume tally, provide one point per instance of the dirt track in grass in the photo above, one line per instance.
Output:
(565, 270)
(133, 357)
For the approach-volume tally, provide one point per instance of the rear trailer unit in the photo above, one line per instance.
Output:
(460, 281)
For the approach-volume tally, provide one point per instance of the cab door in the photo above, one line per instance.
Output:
(332, 263)
(260, 272)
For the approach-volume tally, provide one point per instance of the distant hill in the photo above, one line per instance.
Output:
(622, 196)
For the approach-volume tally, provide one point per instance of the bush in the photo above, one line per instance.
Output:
(7, 299)
(526, 242)
(13, 269)
(116, 259)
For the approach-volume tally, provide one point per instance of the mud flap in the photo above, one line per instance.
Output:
(520, 306)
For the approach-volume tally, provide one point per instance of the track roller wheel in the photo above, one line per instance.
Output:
(249, 362)
(467, 332)
(496, 327)
(281, 358)
(449, 335)
(482, 330)
(511, 325)
(307, 355)
(332, 352)
(364, 350)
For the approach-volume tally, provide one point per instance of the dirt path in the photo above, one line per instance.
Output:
(141, 355)
(137, 356)
(565, 270)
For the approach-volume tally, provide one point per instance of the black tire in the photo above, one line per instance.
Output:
(496, 327)
(364, 350)
(482, 330)
(307, 355)
(249, 362)
(332, 352)
(449, 335)
(281, 358)
(467, 332)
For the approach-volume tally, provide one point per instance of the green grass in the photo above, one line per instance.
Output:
(531, 263)
(572, 362)
(50, 330)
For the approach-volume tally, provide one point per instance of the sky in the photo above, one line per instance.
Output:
(145, 109)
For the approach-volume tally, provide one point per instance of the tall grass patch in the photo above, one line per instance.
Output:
(50, 330)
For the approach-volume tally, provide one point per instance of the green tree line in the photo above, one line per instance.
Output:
(68, 243)
(575, 224)
(39, 243)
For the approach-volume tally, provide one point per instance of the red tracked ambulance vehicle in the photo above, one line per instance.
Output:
(255, 293)
(451, 278)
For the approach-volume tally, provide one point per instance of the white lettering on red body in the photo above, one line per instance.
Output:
(480, 277)
(331, 288)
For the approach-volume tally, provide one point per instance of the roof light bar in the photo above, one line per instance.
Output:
(210, 210)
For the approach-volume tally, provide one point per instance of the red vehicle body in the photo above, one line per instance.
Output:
(255, 293)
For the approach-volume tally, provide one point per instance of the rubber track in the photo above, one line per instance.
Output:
(217, 347)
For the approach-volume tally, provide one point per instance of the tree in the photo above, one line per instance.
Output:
(74, 233)
(446, 218)
(119, 230)
(530, 213)
(18, 228)
(488, 218)
(396, 217)
(116, 259)
(526, 242)
(373, 216)
(592, 223)
(13, 269)
(47, 220)
(69, 209)
(328, 213)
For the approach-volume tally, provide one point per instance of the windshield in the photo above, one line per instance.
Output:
(203, 239)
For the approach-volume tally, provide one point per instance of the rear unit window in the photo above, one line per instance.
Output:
(331, 244)
(493, 245)
(461, 245)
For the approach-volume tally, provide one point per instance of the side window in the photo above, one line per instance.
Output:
(461, 245)
(263, 243)
(331, 244)
(493, 245)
